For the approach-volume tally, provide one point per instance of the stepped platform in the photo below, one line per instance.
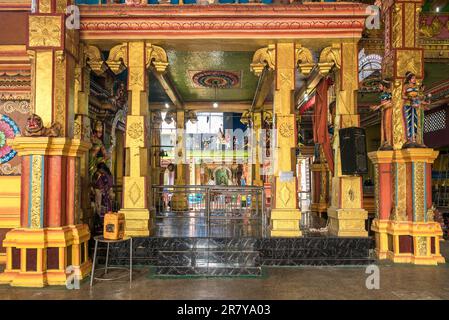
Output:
(192, 248)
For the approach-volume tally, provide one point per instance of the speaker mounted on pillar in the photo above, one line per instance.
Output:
(353, 155)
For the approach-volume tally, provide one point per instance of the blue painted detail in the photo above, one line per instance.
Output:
(189, 1)
(267, 1)
(174, 1)
(153, 1)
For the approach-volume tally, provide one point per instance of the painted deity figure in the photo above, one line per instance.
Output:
(386, 110)
(414, 106)
(98, 153)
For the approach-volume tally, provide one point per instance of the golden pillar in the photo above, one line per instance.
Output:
(137, 56)
(179, 199)
(404, 226)
(88, 56)
(285, 214)
(256, 149)
(51, 237)
(155, 136)
(346, 215)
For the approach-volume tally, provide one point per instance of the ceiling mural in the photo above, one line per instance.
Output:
(216, 79)
(212, 75)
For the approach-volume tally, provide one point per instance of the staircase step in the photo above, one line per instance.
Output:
(206, 257)
(208, 271)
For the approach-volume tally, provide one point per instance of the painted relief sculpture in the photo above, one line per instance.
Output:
(35, 128)
(98, 152)
(414, 106)
(386, 110)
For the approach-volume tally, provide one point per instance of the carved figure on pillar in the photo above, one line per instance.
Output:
(98, 151)
(414, 105)
(386, 110)
(35, 128)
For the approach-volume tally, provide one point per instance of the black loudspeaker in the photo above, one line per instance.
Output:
(353, 151)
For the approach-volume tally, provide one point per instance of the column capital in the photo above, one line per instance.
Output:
(91, 56)
(329, 57)
(304, 59)
(156, 57)
(118, 58)
(264, 57)
(49, 146)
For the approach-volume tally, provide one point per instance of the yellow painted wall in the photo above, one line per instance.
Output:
(9, 204)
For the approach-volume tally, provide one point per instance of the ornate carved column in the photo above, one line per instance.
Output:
(285, 214)
(346, 214)
(407, 233)
(155, 136)
(89, 59)
(137, 56)
(256, 148)
(50, 237)
(179, 199)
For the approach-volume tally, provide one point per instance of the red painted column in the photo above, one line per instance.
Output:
(70, 185)
(385, 190)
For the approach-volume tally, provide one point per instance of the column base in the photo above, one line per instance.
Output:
(380, 231)
(137, 222)
(285, 223)
(347, 222)
(40, 257)
(409, 242)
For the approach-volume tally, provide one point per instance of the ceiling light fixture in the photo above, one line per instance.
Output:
(215, 105)
(438, 9)
(167, 106)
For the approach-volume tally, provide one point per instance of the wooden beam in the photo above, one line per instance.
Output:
(311, 83)
(224, 106)
(169, 88)
(264, 86)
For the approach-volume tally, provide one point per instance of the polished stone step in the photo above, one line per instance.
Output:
(304, 251)
(208, 258)
(208, 271)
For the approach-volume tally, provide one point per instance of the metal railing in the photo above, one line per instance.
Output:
(212, 204)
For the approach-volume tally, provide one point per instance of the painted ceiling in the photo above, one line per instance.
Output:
(212, 75)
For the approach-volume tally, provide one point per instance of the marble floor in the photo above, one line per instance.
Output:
(396, 282)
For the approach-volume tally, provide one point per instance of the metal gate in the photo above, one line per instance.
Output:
(206, 211)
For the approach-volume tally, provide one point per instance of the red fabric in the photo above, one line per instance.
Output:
(306, 106)
(320, 130)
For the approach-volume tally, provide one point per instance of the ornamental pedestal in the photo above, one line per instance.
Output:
(404, 226)
(50, 238)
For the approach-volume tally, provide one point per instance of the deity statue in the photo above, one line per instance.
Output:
(414, 106)
(98, 153)
(386, 110)
(117, 101)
